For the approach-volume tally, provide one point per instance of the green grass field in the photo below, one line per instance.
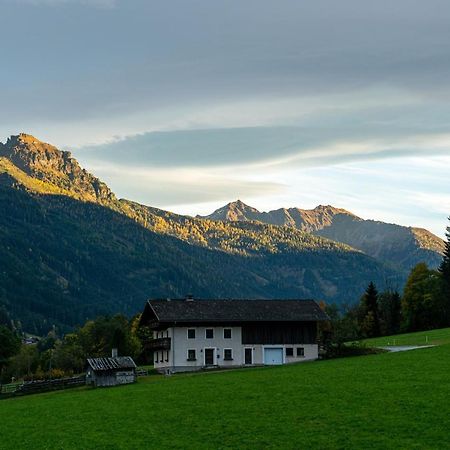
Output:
(431, 337)
(381, 401)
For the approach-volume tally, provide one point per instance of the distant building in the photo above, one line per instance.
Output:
(110, 371)
(30, 340)
(194, 334)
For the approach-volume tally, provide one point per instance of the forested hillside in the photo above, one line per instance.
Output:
(70, 250)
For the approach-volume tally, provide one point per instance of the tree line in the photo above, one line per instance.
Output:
(56, 357)
(424, 305)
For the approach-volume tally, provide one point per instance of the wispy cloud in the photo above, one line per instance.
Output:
(175, 187)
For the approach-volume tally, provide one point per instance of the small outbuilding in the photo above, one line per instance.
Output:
(110, 371)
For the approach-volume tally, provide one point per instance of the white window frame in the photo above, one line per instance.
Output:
(206, 330)
(195, 333)
(195, 353)
(231, 350)
(231, 333)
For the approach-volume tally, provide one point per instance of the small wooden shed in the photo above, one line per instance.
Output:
(110, 371)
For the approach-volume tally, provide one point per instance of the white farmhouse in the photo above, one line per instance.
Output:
(193, 334)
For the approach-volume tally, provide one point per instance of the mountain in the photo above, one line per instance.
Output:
(70, 250)
(398, 246)
(56, 169)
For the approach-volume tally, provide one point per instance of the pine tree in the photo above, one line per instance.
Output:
(369, 321)
(444, 270)
(389, 305)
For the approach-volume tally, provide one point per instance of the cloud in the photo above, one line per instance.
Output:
(265, 147)
(176, 187)
(144, 57)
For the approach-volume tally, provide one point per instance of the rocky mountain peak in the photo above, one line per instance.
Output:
(236, 211)
(49, 164)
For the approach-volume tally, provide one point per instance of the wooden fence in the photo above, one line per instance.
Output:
(35, 387)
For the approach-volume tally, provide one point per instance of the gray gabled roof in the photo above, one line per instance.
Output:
(116, 363)
(235, 310)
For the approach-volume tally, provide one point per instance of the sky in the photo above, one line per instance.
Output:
(188, 105)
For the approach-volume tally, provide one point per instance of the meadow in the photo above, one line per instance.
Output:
(430, 337)
(380, 401)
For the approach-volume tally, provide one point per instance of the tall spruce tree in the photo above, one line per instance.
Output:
(369, 322)
(389, 305)
(444, 270)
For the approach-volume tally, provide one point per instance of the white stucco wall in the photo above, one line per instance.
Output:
(311, 352)
(181, 344)
(177, 356)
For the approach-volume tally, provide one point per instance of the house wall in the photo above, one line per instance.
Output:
(176, 359)
(311, 352)
(111, 378)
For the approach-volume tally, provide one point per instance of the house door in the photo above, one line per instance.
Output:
(248, 356)
(209, 356)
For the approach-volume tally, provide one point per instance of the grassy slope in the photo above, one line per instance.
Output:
(430, 337)
(381, 401)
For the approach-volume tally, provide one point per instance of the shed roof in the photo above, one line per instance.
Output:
(115, 363)
(233, 311)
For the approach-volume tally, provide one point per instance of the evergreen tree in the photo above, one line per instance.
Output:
(390, 312)
(9, 345)
(368, 317)
(444, 270)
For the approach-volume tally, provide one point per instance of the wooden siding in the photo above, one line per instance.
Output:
(111, 378)
(268, 334)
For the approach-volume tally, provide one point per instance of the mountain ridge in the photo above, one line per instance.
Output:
(394, 244)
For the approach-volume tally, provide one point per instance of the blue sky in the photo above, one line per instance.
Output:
(187, 105)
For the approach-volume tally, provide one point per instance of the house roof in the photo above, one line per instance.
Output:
(118, 362)
(211, 311)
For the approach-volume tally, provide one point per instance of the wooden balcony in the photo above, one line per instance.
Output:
(158, 344)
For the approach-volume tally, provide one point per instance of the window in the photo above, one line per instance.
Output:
(227, 333)
(290, 351)
(191, 355)
(167, 356)
(155, 357)
(300, 351)
(209, 333)
(191, 333)
(227, 354)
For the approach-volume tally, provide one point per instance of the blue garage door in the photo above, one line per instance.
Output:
(273, 356)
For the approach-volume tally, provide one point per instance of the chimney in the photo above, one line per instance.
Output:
(114, 353)
(189, 298)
